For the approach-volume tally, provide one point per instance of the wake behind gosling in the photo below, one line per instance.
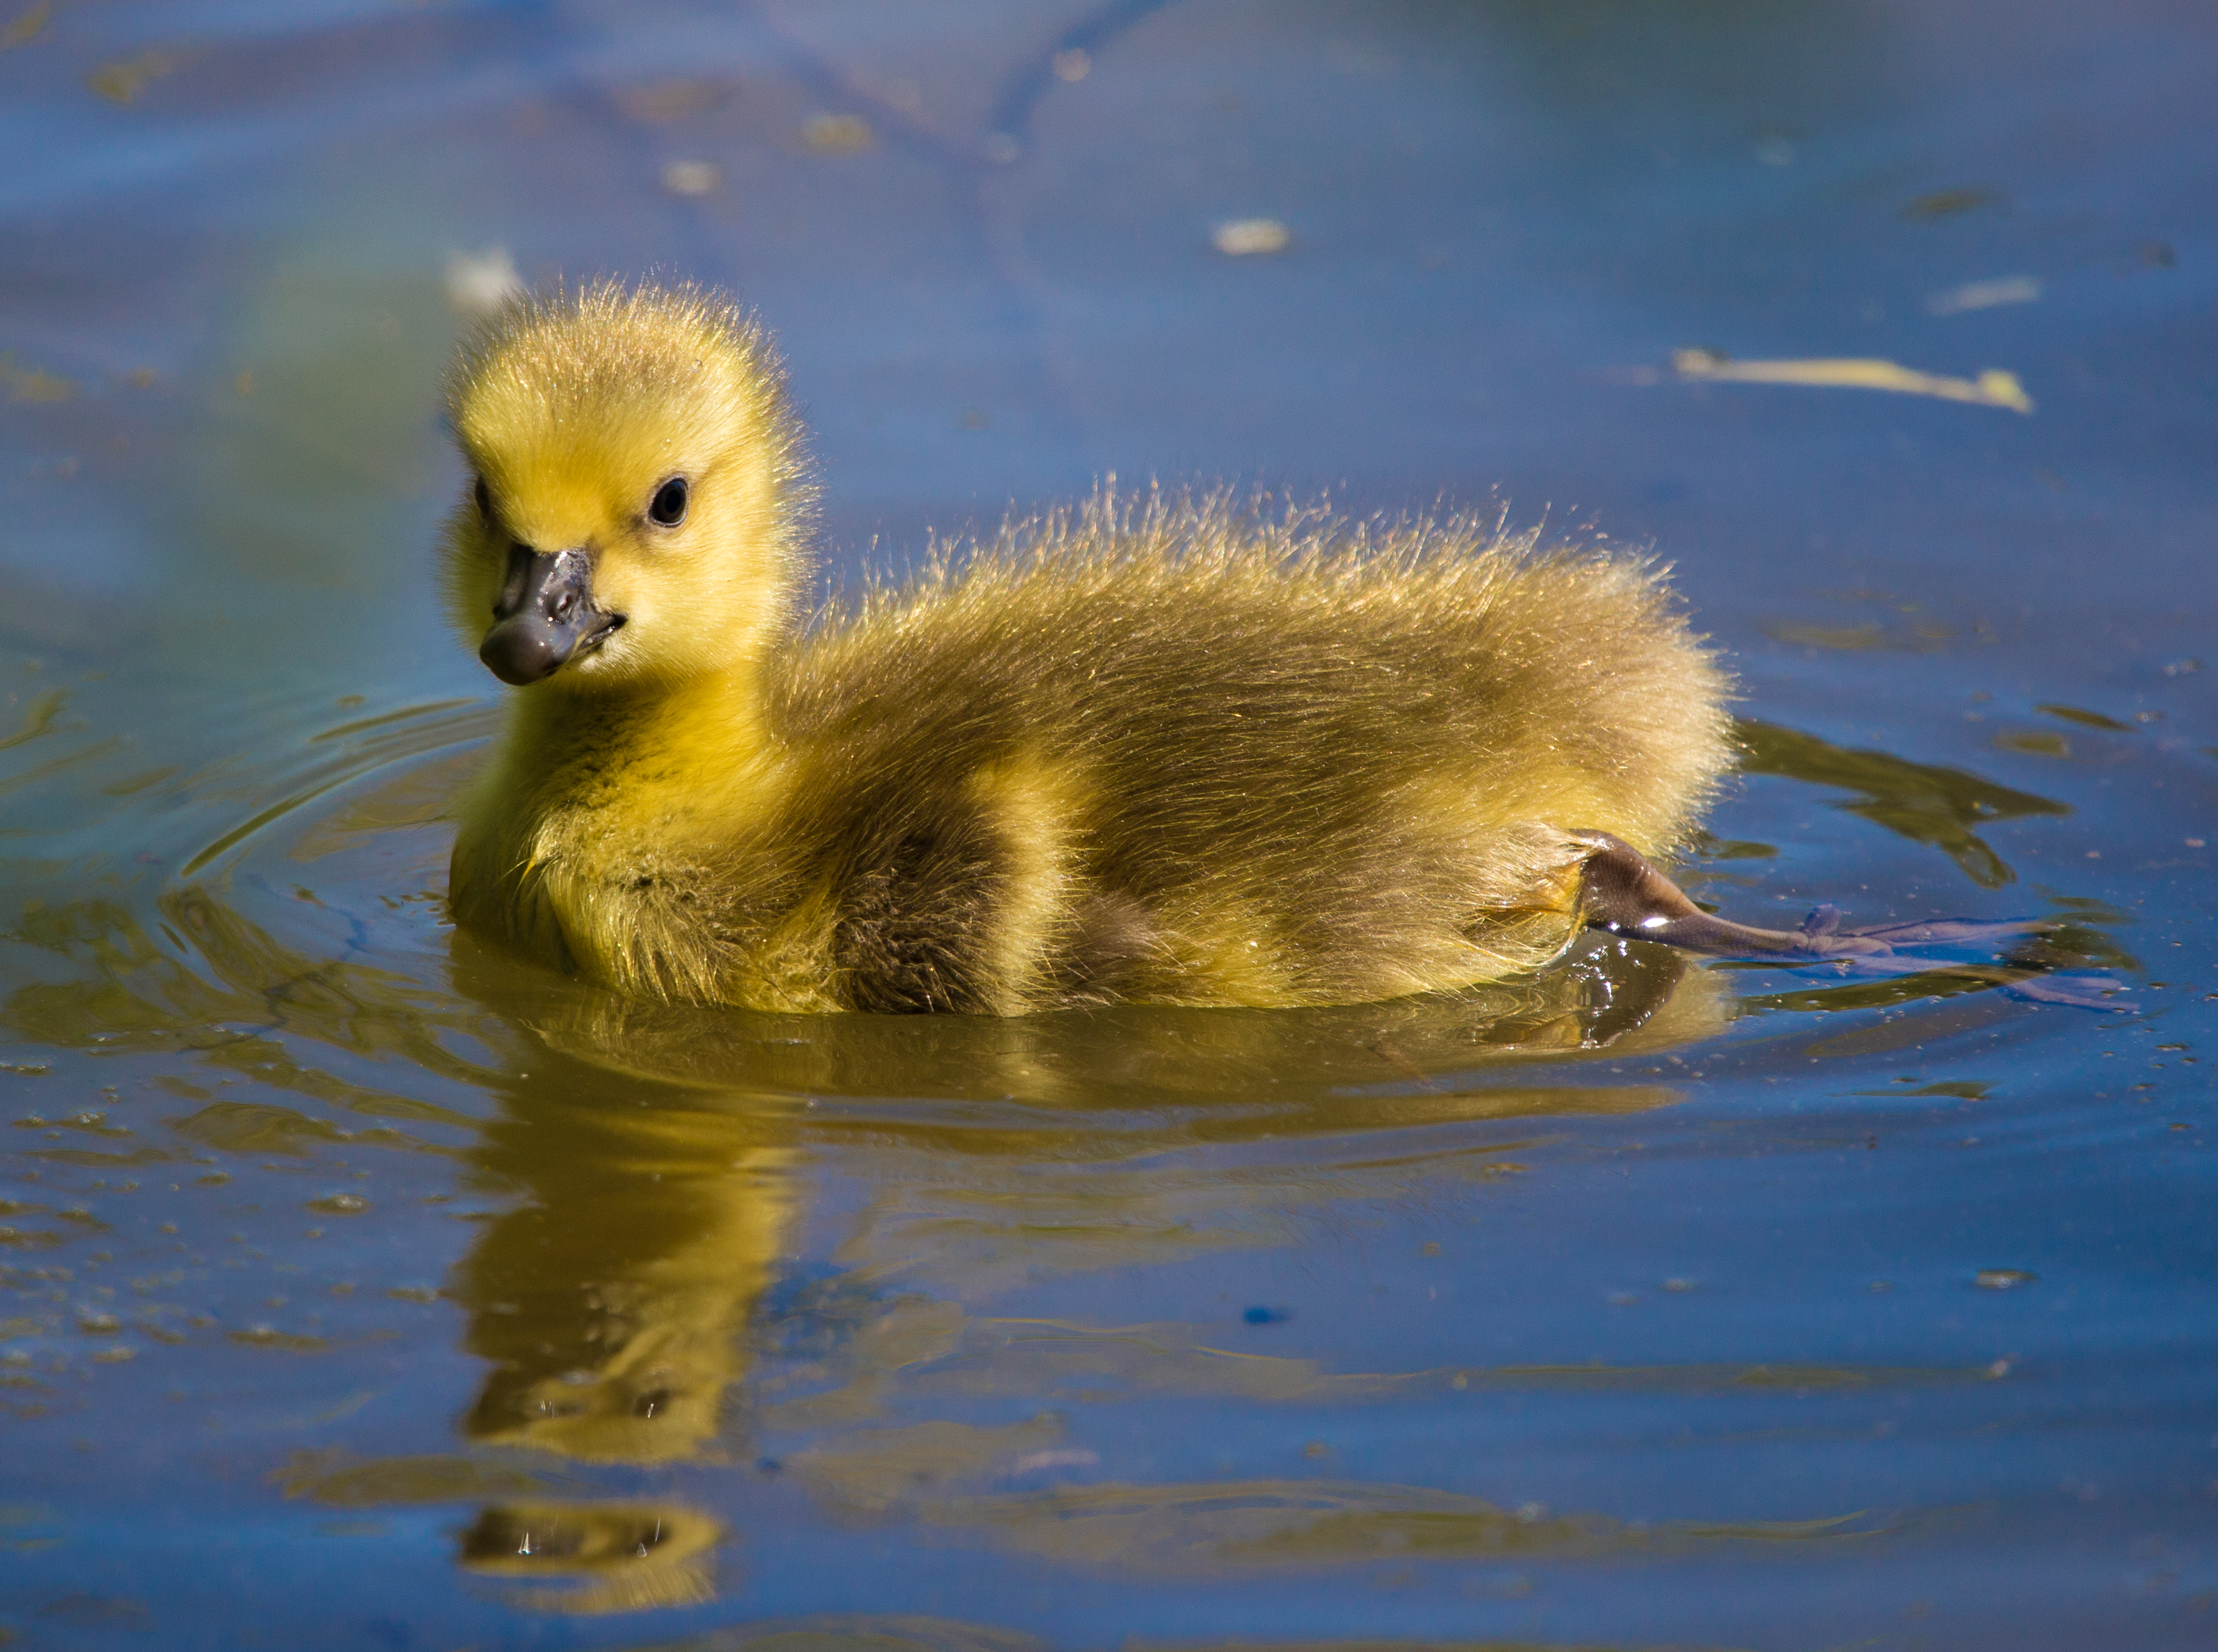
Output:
(1164, 749)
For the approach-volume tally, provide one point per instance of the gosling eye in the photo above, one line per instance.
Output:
(483, 494)
(667, 508)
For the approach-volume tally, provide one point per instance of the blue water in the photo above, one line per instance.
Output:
(344, 1262)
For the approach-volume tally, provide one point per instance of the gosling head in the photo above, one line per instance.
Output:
(635, 500)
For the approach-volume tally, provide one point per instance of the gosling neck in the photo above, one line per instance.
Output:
(563, 733)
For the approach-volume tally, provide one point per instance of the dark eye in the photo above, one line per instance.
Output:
(667, 508)
(484, 495)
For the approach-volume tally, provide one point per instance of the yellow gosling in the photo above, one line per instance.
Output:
(1169, 751)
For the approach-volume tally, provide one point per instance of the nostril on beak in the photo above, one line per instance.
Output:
(519, 576)
(545, 614)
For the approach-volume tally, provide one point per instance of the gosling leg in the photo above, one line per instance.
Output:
(1621, 892)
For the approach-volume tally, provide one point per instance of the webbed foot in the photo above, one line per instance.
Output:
(1621, 892)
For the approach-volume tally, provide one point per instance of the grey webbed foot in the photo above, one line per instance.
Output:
(1621, 892)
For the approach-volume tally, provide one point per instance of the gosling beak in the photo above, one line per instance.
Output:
(545, 614)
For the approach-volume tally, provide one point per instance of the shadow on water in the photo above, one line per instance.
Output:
(1922, 802)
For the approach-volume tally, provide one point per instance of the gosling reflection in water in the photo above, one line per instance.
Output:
(658, 1150)
(612, 1303)
(600, 1557)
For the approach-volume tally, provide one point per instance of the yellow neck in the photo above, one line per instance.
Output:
(643, 751)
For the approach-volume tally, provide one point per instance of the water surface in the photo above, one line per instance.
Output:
(366, 1289)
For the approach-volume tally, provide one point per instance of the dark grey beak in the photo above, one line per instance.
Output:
(545, 615)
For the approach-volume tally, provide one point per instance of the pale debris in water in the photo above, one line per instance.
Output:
(1948, 203)
(1032, 1461)
(836, 134)
(691, 178)
(1992, 388)
(671, 100)
(121, 81)
(480, 282)
(32, 384)
(1248, 238)
(1985, 294)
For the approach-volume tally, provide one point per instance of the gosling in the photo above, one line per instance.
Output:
(1168, 752)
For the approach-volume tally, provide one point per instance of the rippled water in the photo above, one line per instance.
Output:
(364, 1289)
